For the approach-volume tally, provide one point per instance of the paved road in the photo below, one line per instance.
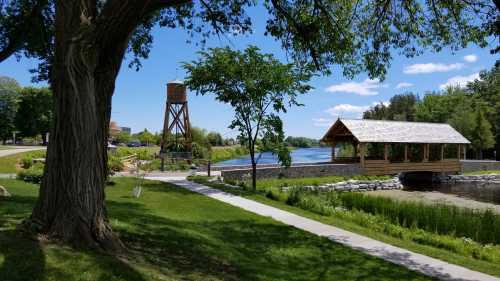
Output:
(19, 149)
(424, 264)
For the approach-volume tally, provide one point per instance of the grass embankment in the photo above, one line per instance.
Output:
(485, 172)
(8, 164)
(448, 233)
(223, 153)
(174, 234)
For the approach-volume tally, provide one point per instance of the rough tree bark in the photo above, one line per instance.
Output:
(88, 55)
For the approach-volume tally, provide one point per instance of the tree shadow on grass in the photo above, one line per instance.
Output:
(23, 258)
(245, 249)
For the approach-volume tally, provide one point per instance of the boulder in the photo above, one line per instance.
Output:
(4, 192)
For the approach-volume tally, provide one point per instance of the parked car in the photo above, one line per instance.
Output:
(134, 144)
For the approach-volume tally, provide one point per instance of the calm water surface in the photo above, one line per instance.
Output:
(484, 192)
(300, 155)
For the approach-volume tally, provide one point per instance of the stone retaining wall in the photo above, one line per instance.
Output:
(479, 165)
(360, 186)
(491, 178)
(295, 171)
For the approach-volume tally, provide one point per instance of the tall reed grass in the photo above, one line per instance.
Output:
(481, 226)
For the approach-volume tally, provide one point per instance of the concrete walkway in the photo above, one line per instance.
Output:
(426, 265)
(19, 149)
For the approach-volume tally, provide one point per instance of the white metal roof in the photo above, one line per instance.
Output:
(402, 132)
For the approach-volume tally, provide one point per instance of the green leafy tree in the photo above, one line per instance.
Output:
(81, 49)
(35, 113)
(9, 98)
(257, 86)
(482, 137)
(487, 89)
(401, 107)
(215, 139)
(377, 112)
(123, 137)
(146, 137)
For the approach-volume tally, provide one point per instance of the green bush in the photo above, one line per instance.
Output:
(26, 162)
(114, 164)
(225, 153)
(33, 174)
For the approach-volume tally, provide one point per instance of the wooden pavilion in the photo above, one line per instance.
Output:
(391, 147)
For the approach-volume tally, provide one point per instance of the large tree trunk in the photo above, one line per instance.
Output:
(71, 203)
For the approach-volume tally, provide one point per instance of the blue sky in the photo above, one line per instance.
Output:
(139, 99)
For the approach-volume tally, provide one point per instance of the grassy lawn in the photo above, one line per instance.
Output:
(427, 244)
(485, 172)
(8, 163)
(174, 234)
(314, 181)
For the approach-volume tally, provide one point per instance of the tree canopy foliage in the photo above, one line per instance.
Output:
(35, 113)
(257, 86)
(359, 35)
(9, 96)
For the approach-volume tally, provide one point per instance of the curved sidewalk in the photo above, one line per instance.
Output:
(424, 264)
(20, 149)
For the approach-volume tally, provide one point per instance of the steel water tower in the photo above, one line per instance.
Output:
(177, 139)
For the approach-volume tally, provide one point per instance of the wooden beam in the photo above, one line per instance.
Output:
(333, 151)
(386, 151)
(426, 152)
(406, 152)
(362, 154)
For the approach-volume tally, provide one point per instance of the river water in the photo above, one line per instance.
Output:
(300, 155)
(479, 191)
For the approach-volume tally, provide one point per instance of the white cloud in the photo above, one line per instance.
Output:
(470, 58)
(404, 85)
(348, 110)
(365, 88)
(322, 122)
(386, 103)
(431, 68)
(459, 81)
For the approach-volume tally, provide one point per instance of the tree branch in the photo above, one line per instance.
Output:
(22, 31)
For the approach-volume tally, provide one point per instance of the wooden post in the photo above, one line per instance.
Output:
(442, 152)
(406, 152)
(362, 154)
(426, 152)
(459, 151)
(386, 152)
(333, 152)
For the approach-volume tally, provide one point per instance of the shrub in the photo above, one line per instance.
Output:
(34, 174)
(26, 162)
(114, 164)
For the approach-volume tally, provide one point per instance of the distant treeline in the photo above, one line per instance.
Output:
(302, 142)
(474, 111)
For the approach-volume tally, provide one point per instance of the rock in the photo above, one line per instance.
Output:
(4, 192)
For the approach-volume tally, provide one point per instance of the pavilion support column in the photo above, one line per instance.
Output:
(426, 152)
(459, 151)
(362, 154)
(442, 152)
(333, 151)
(386, 151)
(406, 152)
